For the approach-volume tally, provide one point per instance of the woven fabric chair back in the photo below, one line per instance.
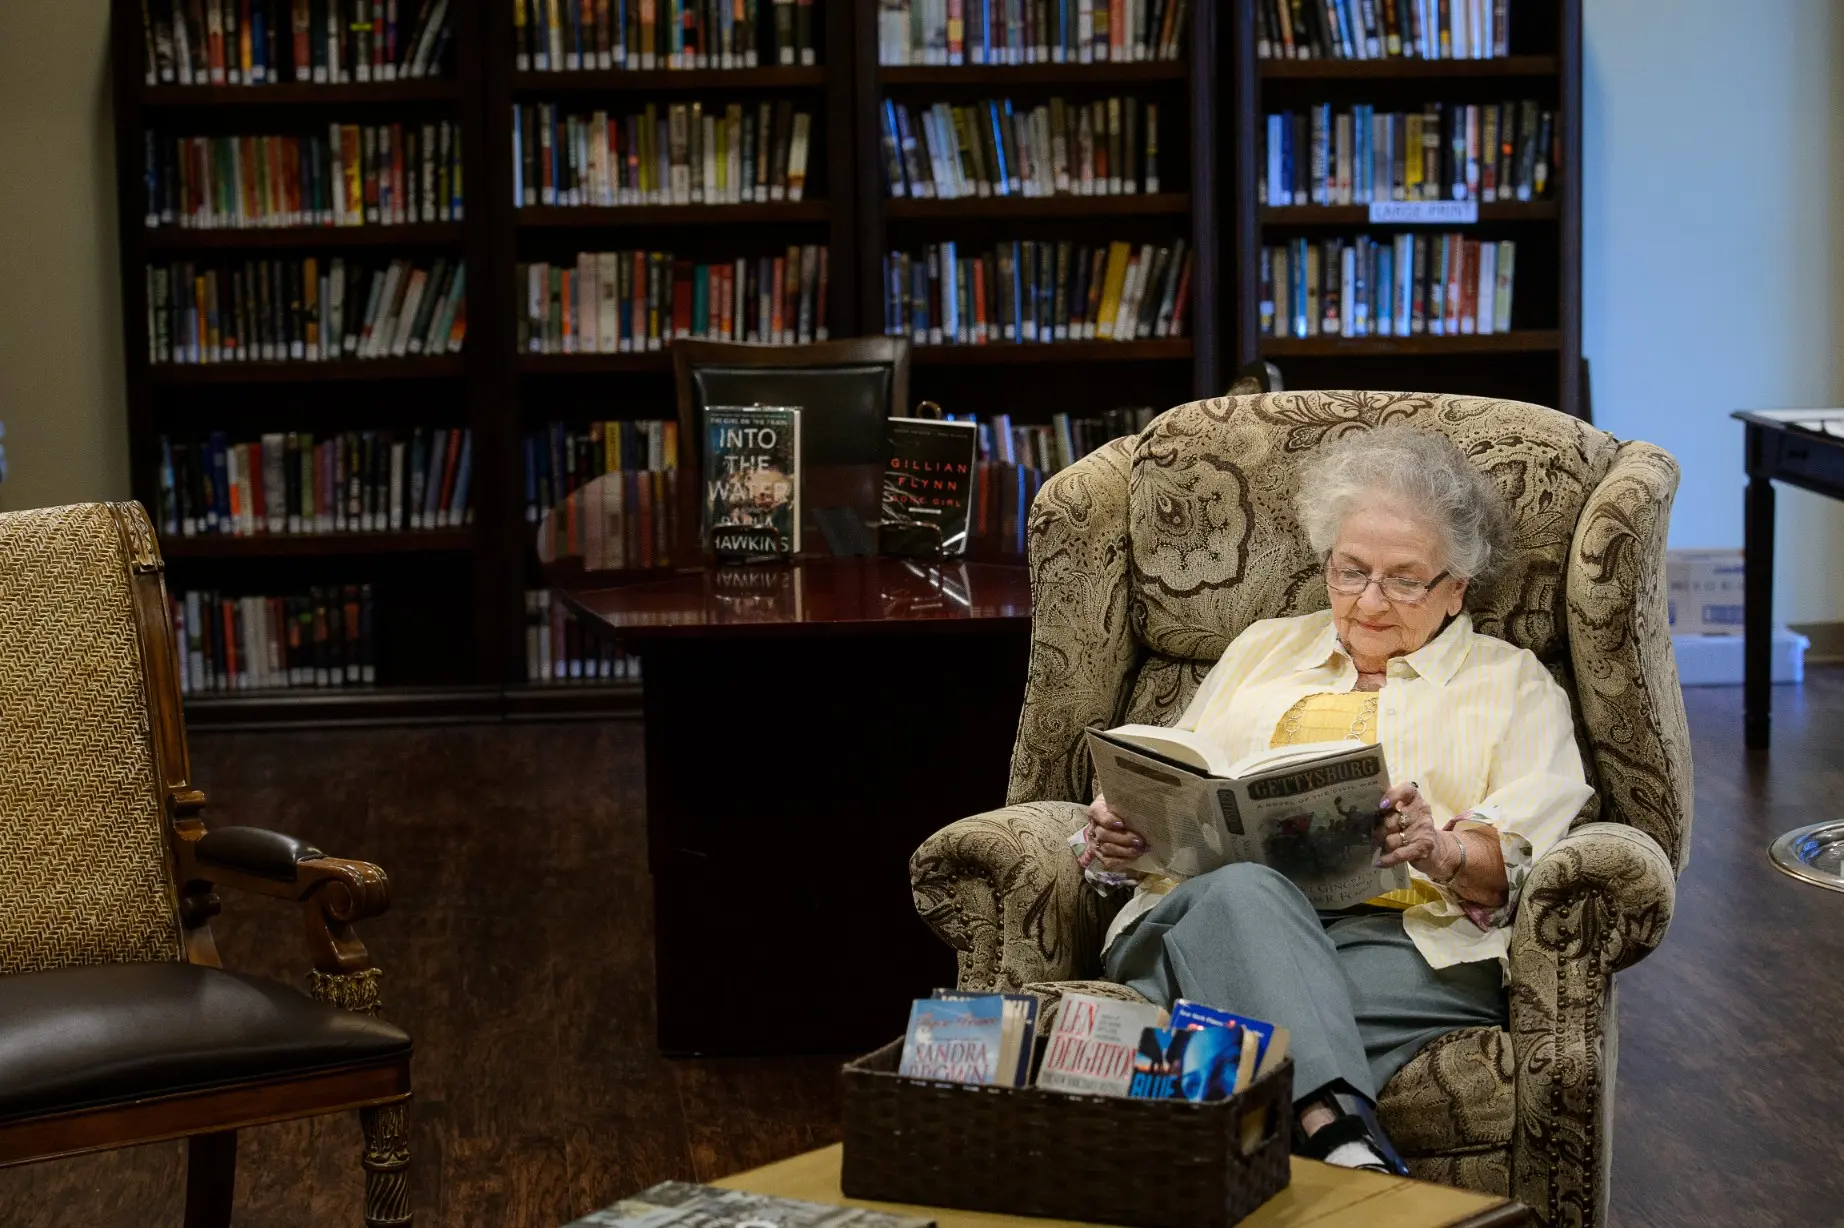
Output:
(84, 869)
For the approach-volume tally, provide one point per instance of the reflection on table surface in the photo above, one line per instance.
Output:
(811, 593)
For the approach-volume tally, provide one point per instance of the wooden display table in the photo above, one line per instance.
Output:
(1320, 1196)
(807, 727)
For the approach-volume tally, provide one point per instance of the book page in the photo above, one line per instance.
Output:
(1167, 804)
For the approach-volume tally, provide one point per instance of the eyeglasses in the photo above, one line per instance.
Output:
(1400, 590)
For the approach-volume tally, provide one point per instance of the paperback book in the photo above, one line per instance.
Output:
(957, 1040)
(1308, 811)
(1270, 1041)
(752, 482)
(1201, 1063)
(1018, 1032)
(928, 484)
(1092, 1047)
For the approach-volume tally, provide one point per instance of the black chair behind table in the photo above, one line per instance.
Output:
(845, 389)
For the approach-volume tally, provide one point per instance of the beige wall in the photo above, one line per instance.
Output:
(61, 391)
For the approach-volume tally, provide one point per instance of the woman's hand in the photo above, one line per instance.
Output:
(1110, 839)
(1407, 832)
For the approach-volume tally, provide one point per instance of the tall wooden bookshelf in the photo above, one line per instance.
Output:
(451, 619)
(1540, 360)
(1032, 381)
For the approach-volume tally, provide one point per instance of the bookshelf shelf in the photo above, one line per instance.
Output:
(1524, 341)
(296, 93)
(296, 545)
(665, 80)
(594, 216)
(181, 238)
(1037, 207)
(1359, 215)
(1406, 69)
(1544, 38)
(1164, 349)
(450, 366)
(1109, 73)
(593, 364)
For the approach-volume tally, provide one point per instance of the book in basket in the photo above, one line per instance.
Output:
(1308, 811)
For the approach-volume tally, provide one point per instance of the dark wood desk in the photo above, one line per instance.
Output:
(807, 726)
(1776, 452)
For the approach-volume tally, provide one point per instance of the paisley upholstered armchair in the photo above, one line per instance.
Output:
(1151, 554)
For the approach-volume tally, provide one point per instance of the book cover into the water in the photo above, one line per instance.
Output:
(752, 482)
(928, 486)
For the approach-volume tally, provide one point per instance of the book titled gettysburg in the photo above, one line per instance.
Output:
(928, 481)
(752, 482)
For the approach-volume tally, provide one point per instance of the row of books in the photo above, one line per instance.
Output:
(583, 35)
(1029, 31)
(354, 175)
(629, 302)
(1105, 147)
(630, 520)
(1032, 291)
(1498, 151)
(292, 483)
(267, 42)
(324, 637)
(1442, 285)
(304, 310)
(564, 457)
(666, 154)
(1099, 1047)
(560, 648)
(1382, 29)
(1060, 443)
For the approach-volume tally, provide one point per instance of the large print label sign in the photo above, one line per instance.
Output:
(1427, 212)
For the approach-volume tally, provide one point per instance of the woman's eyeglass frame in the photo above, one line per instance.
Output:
(1397, 590)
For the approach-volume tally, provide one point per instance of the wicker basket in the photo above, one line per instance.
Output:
(1102, 1159)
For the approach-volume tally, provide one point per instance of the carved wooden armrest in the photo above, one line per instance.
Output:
(334, 893)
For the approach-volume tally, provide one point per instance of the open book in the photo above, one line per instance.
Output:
(1308, 811)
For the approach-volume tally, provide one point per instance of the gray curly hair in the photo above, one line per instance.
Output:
(1422, 470)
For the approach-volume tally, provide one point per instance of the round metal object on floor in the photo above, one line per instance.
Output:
(1812, 854)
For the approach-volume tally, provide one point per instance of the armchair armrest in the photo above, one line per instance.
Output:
(1004, 890)
(334, 893)
(1604, 894)
(1597, 902)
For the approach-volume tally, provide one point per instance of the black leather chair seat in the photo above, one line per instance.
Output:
(82, 1037)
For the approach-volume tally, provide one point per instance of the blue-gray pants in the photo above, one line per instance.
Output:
(1353, 990)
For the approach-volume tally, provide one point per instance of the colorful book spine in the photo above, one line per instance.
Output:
(269, 42)
(322, 638)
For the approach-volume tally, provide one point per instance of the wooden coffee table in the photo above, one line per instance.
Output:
(1320, 1196)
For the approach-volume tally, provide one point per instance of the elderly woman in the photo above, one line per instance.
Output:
(1485, 778)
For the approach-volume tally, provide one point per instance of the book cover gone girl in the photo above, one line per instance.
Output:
(928, 484)
(752, 482)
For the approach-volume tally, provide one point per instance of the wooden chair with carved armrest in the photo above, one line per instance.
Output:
(117, 1025)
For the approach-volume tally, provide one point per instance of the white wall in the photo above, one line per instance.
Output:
(1713, 185)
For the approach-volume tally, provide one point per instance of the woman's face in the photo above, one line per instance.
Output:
(1383, 539)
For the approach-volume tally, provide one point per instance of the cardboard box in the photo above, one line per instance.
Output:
(1705, 590)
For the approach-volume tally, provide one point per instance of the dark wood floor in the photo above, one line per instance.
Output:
(517, 953)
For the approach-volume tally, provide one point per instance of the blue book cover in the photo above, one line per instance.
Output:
(1189, 1014)
(954, 1042)
(1020, 1006)
(1186, 1064)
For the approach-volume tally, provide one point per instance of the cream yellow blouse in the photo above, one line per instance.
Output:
(1476, 722)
